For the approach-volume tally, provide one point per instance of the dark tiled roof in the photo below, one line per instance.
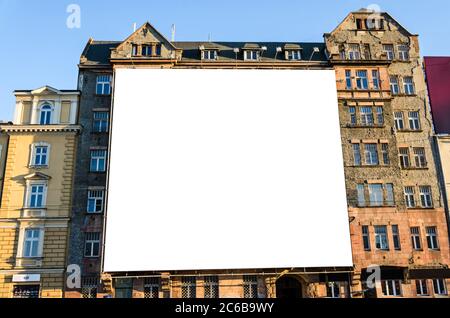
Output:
(98, 52)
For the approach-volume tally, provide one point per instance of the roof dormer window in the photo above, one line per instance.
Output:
(147, 50)
(294, 55)
(134, 50)
(209, 55)
(251, 55)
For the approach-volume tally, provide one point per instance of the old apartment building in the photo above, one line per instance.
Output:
(396, 211)
(37, 157)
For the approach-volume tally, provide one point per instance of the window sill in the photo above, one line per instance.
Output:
(404, 95)
(97, 172)
(94, 213)
(420, 208)
(102, 95)
(415, 168)
(38, 167)
(91, 258)
(100, 132)
(409, 131)
(369, 166)
(364, 126)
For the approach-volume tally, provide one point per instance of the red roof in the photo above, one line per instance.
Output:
(437, 70)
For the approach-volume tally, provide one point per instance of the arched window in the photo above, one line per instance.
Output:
(46, 115)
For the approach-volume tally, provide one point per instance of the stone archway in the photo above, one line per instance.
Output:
(289, 287)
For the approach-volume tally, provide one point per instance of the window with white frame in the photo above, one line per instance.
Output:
(189, 287)
(376, 79)
(376, 194)
(395, 88)
(101, 122)
(389, 188)
(104, 85)
(95, 201)
(389, 51)
(40, 155)
(420, 159)
(408, 85)
(250, 287)
(356, 154)
(366, 116)
(134, 50)
(371, 154)
(391, 288)
(404, 158)
(426, 199)
(251, 55)
(410, 197)
(92, 244)
(403, 52)
(36, 195)
(211, 287)
(439, 286)
(366, 237)
(432, 238)
(294, 55)
(422, 287)
(381, 237)
(414, 120)
(385, 153)
(416, 241)
(45, 114)
(399, 121)
(348, 79)
(361, 80)
(32, 243)
(333, 290)
(98, 160)
(151, 287)
(396, 237)
(147, 50)
(354, 52)
(380, 116)
(361, 195)
(352, 113)
(209, 55)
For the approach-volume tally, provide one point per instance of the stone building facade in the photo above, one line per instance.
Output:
(396, 208)
(37, 157)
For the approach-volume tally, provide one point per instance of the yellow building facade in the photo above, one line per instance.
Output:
(37, 155)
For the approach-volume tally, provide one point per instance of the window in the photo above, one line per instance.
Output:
(101, 122)
(419, 158)
(361, 195)
(147, 50)
(89, 287)
(294, 55)
(366, 237)
(151, 287)
(212, 287)
(26, 291)
(354, 52)
(46, 115)
(399, 122)
(32, 242)
(376, 194)
(251, 55)
(396, 237)
(410, 197)
(366, 52)
(395, 88)
(210, 55)
(371, 154)
(134, 50)
(250, 287)
(404, 158)
(414, 121)
(376, 79)
(92, 245)
(124, 288)
(415, 238)
(381, 238)
(391, 288)
(367, 116)
(380, 116)
(426, 198)
(389, 50)
(389, 188)
(36, 197)
(188, 287)
(432, 238)
(356, 155)
(408, 85)
(158, 49)
(403, 52)
(361, 80)
(40, 155)
(352, 112)
(95, 201)
(98, 161)
(104, 84)
(385, 154)
(333, 290)
(439, 287)
(422, 287)
(348, 80)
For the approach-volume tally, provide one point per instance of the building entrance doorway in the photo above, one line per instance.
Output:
(289, 288)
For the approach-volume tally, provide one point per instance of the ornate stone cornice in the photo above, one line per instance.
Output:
(40, 128)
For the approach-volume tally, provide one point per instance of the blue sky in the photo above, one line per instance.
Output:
(38, 49)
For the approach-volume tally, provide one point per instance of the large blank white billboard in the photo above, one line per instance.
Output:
(225, 169)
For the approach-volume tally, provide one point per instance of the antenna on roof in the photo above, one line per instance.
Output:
(209, 37)
(174, 30)
(134, 26)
